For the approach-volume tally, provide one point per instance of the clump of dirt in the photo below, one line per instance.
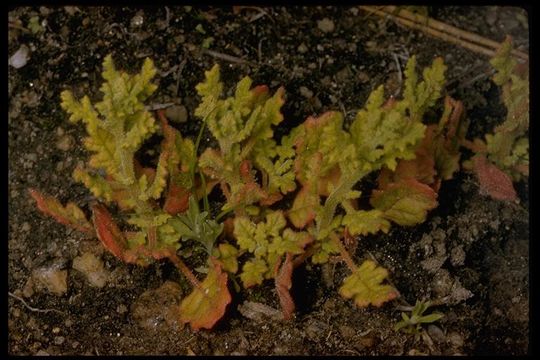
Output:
(67, 296)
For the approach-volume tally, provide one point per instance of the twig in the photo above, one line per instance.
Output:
(227, 57)
(33, 308)
(442, 31)
(438, 25)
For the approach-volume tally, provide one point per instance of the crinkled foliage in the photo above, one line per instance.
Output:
(268, 241)
(206, 304)
(242, 125)
(508, 146)
(365, 286)
(321, 158)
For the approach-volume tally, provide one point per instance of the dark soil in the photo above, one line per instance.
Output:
(472, 249)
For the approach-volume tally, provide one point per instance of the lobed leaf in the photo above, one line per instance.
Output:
(406, 202)
(206, 304)
(365, 287)
(364, 222)
(70, 215)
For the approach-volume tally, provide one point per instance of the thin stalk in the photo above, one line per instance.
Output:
(344, 253)
(185, 270)
(206, 205)
(222, 214)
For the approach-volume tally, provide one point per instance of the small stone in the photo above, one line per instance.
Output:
(44, 11)
(365, 342)
(362, 76)
(60, 166)
(59, 340)
(121, 309)
(56, 330)
(14, 193)
(42, 353)
(51, 278)
(137, 20)
(177, 113)
(25, 227)
(305, 92)
(64, 143)
(28, 289)
(455, 339)
(347, 332)
(71, 10)
(302, 48)
(92, 268)
(457, 256)
(436, 333)
(32, 157)
(326, 25)
(20, 57)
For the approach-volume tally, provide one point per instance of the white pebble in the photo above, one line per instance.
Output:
(20, 58)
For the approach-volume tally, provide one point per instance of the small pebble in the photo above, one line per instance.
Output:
(436, 333)
(137, 21)
(302, 48)
(177, 113)
(20, 58)
(25, 227)
(64, 143)
(326, 25)
(52, 279)
(92, 267)
(305, 92)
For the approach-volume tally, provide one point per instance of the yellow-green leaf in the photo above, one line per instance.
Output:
(228, 255)
(253, 272)
(405, 202)
(206, 304)
(70, 214)
(365, 286)
(363, 222)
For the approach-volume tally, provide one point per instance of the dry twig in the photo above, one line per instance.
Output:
(438, 29)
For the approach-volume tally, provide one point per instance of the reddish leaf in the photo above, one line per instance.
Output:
(69, 215)
(177, 199)
(207, 303)
(108, 232)
(493, 181)
(303, 208)
(283, 281)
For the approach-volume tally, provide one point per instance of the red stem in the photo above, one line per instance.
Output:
(185, 270)
(343, 252)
